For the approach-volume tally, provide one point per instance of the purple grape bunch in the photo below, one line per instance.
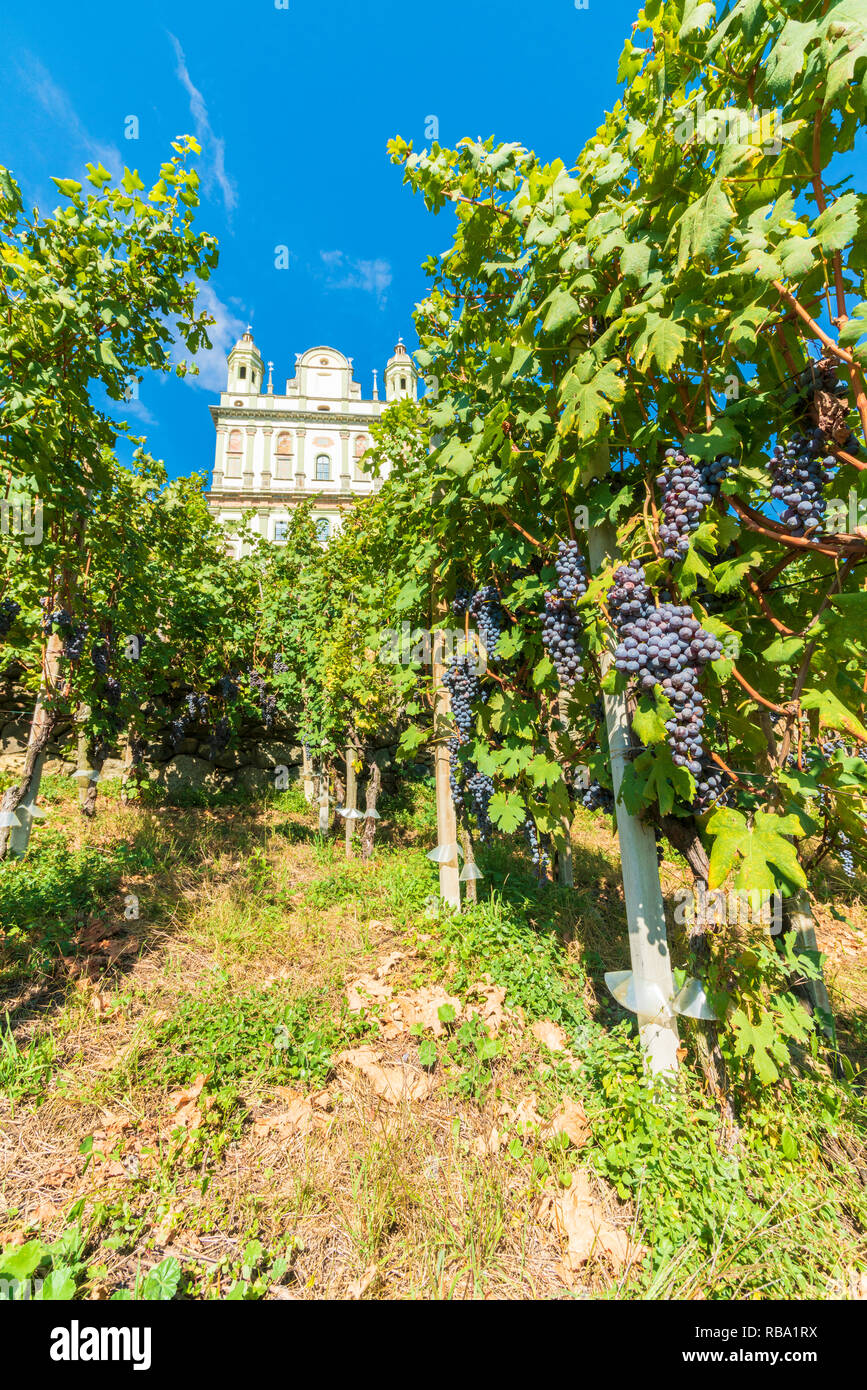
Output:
(667, 646)
(686, 488)
(471, 789)
(562, 630)
(9, 611)
(799, 471)
(598, 798)
(486, 609)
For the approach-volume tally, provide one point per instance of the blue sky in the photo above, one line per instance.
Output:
(294, 108)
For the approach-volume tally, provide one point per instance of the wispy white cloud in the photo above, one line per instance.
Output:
(223, 333)
(138, 410)
(373, 277)
(213, 147)
(58, 107)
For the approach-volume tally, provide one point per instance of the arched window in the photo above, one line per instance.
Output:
(323, 468)
(361, 444)
(242, 373)
(403, 383)
(323, 528)
(283, 457)
(234, 450)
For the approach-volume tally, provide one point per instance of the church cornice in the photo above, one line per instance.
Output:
(262, 418)
(274, 501)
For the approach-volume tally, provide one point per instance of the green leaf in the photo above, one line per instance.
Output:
(543, 771)
(756, 851)
(648, 723)
(21, 1261)
(97, 174)
(833, 714)
(57, 1287)
(635, 260)
(838, 224)
(783, 650)
(760, 1043)
(661, 341)
(507, 811)
(427, 1053)
(161, 1283)
(786, 58)
(106, 354)
(68, 187)
(563, 310)
(457, 458)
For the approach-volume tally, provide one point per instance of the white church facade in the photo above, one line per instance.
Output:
(275, 450)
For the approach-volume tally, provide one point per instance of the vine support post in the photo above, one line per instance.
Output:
(306, 773)
(471, 890)
(565, 875)
(14, 842)
(324, 817)
(645, 911)
(447, 827)
(351, 799)
(798, 918)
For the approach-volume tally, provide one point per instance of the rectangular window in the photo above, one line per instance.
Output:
(280, 529)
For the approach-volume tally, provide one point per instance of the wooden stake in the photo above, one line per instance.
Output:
(447, 828)
(351, 798)
(565, 873)
(798, 918)
(324, 818)
(371, 796)
(14, 841)
(470, 889)
(645, 913)
(306, 773)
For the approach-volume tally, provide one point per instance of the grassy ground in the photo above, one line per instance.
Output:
(238, 1065)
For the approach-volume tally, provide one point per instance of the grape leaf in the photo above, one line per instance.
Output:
(507, 811)
(833, 714)
(754, 851)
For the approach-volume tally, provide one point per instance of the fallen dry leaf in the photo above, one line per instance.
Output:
(545, 1031)
(359, 1286)
(162, 1232)
(493, 1012)
(59, 1175)
(46, 1211)
(298, 1118)
(569, 1119)
(363, 990)
(580, 1216)
(388, 963)
(419, 1006)
(99, 1002)
(393, 1083)
(186, 1114)
(485, 1144)
(524, 1116)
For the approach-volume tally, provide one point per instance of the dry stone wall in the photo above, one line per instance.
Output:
(250, 763)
